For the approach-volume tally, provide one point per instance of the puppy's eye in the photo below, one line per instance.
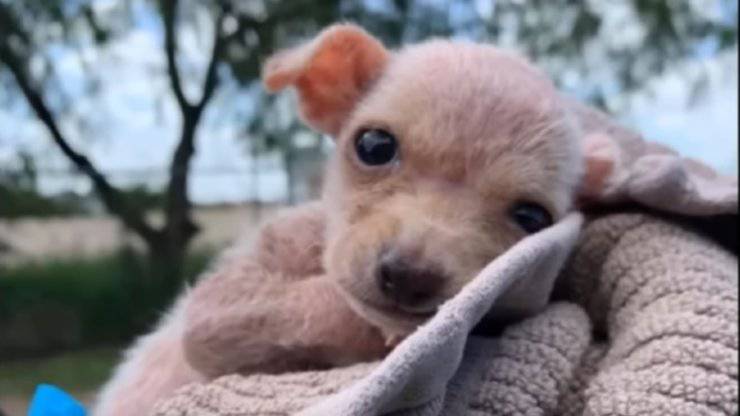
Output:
(376, 147)
(531, 217)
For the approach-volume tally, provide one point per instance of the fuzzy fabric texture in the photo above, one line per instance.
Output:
(653, 175)
(648, 326)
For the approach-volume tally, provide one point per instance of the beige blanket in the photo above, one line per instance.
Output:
(646, 322)
(666, 343)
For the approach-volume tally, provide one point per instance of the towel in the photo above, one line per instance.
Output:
(647, 325)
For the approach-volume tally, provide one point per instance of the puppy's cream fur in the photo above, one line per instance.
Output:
(154, 366)
(461, 168)
(479, 129)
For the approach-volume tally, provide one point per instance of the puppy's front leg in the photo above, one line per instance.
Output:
(274, 309)
(289, 248)
(259, 310)
(233, 326)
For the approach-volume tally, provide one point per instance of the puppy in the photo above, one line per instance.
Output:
(447, 154)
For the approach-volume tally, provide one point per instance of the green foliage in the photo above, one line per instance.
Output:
(144, 198)
(19, 202)
(74, 371)
(19, 198)
(98, 300)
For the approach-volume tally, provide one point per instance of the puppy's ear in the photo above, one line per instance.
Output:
(602, 158)
(331, 73)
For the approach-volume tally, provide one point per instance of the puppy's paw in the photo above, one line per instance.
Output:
(292, 243)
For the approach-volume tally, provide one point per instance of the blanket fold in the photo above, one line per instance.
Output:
(649, 328)
(668, 301)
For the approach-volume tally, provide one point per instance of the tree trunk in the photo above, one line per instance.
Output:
(167, 253)
(166, 260)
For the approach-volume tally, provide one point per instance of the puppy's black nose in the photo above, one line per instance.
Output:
(406, 283)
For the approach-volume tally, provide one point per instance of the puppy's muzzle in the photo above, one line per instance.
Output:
(409, 282)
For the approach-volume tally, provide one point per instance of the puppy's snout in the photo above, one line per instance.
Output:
(408, 283)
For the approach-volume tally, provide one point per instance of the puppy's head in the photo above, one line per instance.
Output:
(446, 155)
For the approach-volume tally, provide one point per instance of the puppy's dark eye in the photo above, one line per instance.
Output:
(376, 147)
(531, 217)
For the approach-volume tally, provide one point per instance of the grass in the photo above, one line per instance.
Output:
(75, 371)
(58, 320)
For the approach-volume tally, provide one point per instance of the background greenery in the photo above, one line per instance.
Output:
(65, 304)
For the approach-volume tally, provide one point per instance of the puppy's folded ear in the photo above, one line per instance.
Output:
(601, 161)
(331, 73)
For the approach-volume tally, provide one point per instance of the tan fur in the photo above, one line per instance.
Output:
(479, 130)
(277, 310)
(461, 169)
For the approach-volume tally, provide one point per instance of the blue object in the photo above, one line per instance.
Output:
(49, 400)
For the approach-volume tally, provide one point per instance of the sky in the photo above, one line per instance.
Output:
(706, 130)
(131, 125)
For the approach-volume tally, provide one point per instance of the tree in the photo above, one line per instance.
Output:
(571, 40)
(167, 244)
(613, 49)
(20, 45)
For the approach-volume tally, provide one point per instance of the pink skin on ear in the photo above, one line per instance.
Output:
(601, 158)
(331, 74)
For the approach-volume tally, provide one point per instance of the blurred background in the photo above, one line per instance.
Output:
(136, 140)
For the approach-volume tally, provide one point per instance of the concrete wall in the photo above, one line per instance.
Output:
(38, 239)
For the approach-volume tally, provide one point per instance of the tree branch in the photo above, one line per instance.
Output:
(179, 224)
(112, 198)
(211, 80)
(169, 11)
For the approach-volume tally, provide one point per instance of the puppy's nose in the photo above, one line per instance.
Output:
(406, 283)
